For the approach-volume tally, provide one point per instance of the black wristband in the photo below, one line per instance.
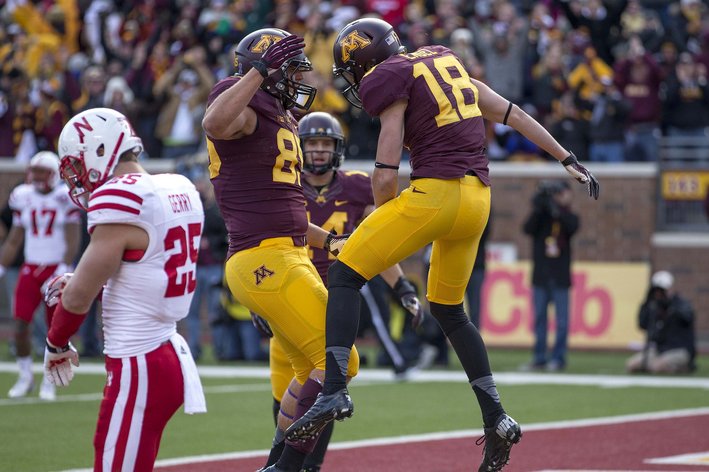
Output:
(571, 159)
(261, 68)
(379, 165)
(507, 115)
(403, 286)
(57, 350)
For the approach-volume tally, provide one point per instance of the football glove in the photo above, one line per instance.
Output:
(261, 325)
(53, 288)
(278, 53)
(582, 175)
(335, 243)
(406, 292)
(58, 363)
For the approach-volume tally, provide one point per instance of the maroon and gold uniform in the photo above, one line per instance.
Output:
(448, 201)
(339, 206)
(257, 183)
(256, 178)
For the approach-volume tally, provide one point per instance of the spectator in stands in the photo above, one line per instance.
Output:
(607, 125)
(186, 86)
(502, 47)
(93, 88)
(600, 19)
(569, 128)
(551, 225)
(17, 118)
(644, 23)
(667, 58)
(668, 320)
(548, 81)
(685, 97)
(638, 78)
(120, 97)
(461, 43)
(51, 115)
(585, 80)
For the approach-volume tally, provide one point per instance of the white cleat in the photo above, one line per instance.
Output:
(23, 386)
(47, 390)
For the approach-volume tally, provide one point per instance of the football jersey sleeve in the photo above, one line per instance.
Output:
(382, 86)
(220, 88)
(118, 202)
(18, 199)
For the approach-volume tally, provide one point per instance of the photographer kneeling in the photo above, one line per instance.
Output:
(668, 320)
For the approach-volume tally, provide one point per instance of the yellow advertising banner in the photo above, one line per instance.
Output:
(604, 303)
(684, 185)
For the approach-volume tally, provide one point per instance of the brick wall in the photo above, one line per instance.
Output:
(618, 227)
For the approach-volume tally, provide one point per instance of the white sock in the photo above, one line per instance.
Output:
(25, 365)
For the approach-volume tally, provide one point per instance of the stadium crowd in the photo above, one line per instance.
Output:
(608, 78)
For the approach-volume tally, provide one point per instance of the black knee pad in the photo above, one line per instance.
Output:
(341, 275)
(449, 317)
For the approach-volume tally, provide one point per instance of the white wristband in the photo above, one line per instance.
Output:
(2, 271)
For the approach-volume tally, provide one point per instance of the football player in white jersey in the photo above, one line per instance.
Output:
(145, 235)
(49, 225)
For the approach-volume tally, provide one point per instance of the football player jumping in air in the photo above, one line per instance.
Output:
(50, 226)
(427, 102)
(145, 233)
(255, 164)
(335, 200)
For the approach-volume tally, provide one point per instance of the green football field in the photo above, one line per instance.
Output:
(37, 436)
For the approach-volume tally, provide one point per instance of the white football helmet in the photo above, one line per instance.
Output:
(44, 171)
(89, 148)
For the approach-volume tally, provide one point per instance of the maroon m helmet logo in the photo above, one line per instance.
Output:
(261, 273)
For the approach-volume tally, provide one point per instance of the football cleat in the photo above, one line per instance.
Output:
(498, 442)
(23, 386)
(271, 468)
(47, 390)
(336, 406)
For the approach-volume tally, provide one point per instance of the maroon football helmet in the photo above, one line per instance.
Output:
(360, 46)
(282, 83)
(322, 125)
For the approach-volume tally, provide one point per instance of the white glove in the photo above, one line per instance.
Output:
(53, 288)
(2, 271)
(59, 271)
(58, 364)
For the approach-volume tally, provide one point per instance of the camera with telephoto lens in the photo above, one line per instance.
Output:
(544, 197)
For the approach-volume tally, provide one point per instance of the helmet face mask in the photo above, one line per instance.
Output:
(359, 47)
(282, 83)
(320, 125)
(90, 146)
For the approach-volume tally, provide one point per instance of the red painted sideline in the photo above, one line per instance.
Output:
(607, 447)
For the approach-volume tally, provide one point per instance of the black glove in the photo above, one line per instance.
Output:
(261, 325)
(407, 294)
(278, 53)
(335, 243)
(581, 174)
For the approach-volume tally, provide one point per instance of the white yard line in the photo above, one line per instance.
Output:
(386, 375)
(439, 436)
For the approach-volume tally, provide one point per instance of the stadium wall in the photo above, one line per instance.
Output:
(619, 227)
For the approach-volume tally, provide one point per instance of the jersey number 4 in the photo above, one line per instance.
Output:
(449, 112)
(180, 283)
